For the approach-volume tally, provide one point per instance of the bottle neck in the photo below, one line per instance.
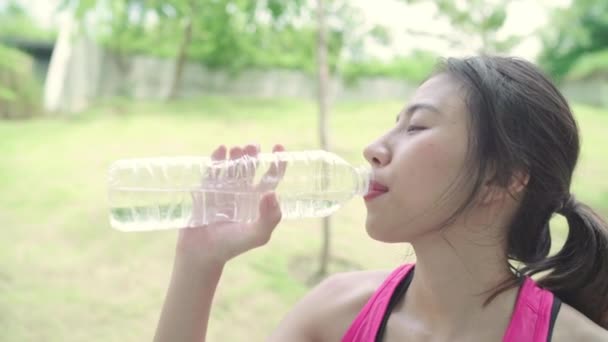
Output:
(364, 179)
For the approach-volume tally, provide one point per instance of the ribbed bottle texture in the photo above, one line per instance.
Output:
(191, 191)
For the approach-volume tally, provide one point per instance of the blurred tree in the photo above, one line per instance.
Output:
(17, 24)
(19, 89)
(415, 67)
(323, 101)
(473, 20)
(592, 64)
(186, 9)
(573, 33)
(228, 34)
(339, 31)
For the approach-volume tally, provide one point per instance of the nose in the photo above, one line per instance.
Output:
(377, 154)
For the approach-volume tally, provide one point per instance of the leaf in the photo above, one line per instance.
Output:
(495, 20)
(380, 34)
(276, 7)
(573, 33)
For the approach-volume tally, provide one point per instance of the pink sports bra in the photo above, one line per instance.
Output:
(532, 320)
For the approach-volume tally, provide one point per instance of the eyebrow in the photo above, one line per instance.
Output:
(411, 109)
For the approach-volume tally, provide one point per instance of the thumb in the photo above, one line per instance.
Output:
(269, 215)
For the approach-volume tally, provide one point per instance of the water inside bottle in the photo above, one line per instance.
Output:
(176, 208)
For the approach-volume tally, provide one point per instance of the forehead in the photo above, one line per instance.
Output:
(444, 93)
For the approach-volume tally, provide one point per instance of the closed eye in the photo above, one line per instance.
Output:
(412, 128)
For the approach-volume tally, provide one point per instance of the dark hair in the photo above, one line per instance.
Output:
(522, 123)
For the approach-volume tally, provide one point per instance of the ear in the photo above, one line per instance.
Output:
(518, 183)
(494, 192)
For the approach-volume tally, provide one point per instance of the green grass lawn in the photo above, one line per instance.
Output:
(65, 275)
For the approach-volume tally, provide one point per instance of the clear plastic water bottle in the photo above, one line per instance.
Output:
(190, 191)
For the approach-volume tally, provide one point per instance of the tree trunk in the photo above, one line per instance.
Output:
(181, 59)
(322, 97)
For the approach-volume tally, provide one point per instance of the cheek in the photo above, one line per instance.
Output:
(430, 168)
(434, 158)
(434, 162)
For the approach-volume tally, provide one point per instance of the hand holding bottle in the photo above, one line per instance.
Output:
(221, 241)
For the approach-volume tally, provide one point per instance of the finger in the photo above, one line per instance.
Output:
(275, 172)
(213, 172)
(251, 149)
(282, 164)
(269, 217)
(251, 164)
(236, 152)
(219, 153)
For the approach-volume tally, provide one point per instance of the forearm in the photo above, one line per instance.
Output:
(185, 313)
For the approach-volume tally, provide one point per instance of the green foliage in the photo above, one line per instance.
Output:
(476, 18)
(19, 90)
(415, 68)
(594, 63)
(16, 23)
(574, 32)
(227, 34)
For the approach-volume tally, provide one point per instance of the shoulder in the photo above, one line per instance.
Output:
(571, 325)
(327, 311)
(351, 287)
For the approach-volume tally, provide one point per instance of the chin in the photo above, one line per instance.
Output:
(384, 233)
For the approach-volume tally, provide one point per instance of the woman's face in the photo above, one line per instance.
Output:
(419, 160)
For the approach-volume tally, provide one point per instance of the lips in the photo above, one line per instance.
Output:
(375, 189)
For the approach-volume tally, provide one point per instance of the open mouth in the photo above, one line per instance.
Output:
(375, 189)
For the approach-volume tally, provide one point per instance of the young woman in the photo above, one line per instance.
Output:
(476, 165)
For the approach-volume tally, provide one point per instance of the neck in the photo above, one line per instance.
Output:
(456, 270)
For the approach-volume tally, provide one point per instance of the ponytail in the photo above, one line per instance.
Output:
(520, 122)
(578, 273)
